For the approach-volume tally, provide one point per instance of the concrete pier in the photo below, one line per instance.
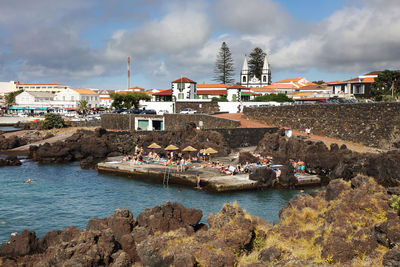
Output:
(210, 178)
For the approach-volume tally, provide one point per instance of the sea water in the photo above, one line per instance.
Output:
(65, 195)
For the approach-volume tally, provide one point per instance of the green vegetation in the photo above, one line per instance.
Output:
(395, 202)
(10, 98)
(53, 120)
(219, 99)
(273, 97)
(256, 62)
(224, 68)
(319, 82)
(386, 85)
(128, 100)
(83, 106)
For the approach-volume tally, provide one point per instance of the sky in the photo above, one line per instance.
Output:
(85, 43)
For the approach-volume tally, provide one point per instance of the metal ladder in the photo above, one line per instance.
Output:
(167, 174)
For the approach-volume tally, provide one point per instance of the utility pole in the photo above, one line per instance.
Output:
(129, 72)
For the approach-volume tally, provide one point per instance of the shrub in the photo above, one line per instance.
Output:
(53, 120)
(395, 202)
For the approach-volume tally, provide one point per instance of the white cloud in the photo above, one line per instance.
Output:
(252, 16)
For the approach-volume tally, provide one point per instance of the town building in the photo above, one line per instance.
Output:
(359, 87)
(255, 82)
(183, 89)
(287, 86)
(71, 97)
(52, 88)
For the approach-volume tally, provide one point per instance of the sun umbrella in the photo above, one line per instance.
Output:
(171, 147)
(154, 145)
(210, 150)
(190, 149)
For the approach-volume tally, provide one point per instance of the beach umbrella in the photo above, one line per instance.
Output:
(210, 151)
(154, 145)
(189, 149)
(171, 147)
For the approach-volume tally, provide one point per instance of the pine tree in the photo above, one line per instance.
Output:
(256, 62)
(224, 67)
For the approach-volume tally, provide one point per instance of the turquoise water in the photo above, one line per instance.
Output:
(65, 195)
(8, 128)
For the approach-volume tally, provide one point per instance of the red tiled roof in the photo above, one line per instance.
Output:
(313, 87)
(212, 85)
(264, 90)
(211, 92)
(105, 97)
(368, 80)
(280, 86)
(238, 86)
(164, 92)
(47, 84)
(183, 80)
(373, 73)
(136, 88)
(335, 82)
(289, 80)
(84, 91)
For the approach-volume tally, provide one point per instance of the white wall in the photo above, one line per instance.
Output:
(7, 87)
(157, 106)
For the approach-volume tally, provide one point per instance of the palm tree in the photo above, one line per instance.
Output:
(83, 106)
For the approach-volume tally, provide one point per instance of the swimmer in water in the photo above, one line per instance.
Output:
(28, 181)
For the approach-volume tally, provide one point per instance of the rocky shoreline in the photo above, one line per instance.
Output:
(348, 224)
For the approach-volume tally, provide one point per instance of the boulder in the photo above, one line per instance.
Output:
(20, 245)
(170, 216)
(263, 175)
(392, 258)
(269, 254)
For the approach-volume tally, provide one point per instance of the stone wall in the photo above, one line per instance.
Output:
(373, 124)
(172, 121)
(244, 137)
(200, 107)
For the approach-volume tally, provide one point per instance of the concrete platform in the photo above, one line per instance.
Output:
(308, 179)
(211, 180)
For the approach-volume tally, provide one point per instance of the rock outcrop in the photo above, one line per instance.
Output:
(333, 162)
(93, 146)
(349, 224)
(10, 161)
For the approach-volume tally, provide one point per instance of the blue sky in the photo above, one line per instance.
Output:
(85, 43)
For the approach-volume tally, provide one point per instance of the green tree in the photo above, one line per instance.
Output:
(83, 106)
(224, 68)
(10, 98)
(128, 100)
(273, 97)
(219, 99)
(319, 82)
(387, 83)
(53, 120)
(256, 62)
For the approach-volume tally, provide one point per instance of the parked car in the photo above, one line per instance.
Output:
(188, 111)
(148, 111)
(135, 111)
(162, 112)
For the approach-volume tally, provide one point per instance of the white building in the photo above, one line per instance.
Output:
(7, 87)
(183, 89)
(105, 99)
(34, 99)
(51, 88)
(70, 98)
(264, 80)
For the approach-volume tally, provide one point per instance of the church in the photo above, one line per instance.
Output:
(255, 82)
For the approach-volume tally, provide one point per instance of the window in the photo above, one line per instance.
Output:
(72, 98)
(63, 97)
(244, 79)
(180, 96)
(234, 97)
(264, 79)
(205, 96)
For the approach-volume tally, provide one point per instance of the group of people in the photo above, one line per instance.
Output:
(299, 167)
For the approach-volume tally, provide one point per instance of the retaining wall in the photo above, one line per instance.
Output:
(373, 124)
(171, 121)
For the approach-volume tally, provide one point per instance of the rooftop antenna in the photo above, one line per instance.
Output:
(129, 72)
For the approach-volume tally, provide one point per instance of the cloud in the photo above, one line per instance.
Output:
(177, 31)
(352, 39)
(252, 16)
